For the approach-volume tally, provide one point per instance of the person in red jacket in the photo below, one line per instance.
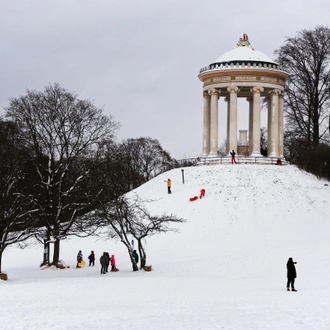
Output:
(233, 159)
(202, 194)
(113, 263)
(278, 162)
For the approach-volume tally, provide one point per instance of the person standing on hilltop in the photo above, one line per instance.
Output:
(169, 184)
(291, 274)
(233, 159)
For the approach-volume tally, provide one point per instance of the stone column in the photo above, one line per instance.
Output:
(214, 121)
(280, 125)
(233, 90)
(228, 122)
(206, 124)
(273, 135)
(255, 152)
(250, 100)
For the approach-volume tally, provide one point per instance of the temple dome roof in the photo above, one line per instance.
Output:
(244, 52)
(242, 57)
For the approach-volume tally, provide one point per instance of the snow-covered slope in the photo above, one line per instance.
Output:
(225, 269)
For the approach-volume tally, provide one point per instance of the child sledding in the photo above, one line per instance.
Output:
(195, 198)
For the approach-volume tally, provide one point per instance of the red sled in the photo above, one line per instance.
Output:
(193, 198)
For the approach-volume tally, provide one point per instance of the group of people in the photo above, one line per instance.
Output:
(105, 261)
(80, 258)
(233, 158)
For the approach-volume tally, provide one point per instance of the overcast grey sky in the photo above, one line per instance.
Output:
(139, 59)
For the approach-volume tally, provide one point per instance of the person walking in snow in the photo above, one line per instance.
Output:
(291, 274)
(104, 262)
(169, 184)
(233, 159)
(91, 259)
(79, 258)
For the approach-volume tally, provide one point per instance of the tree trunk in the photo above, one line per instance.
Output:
(45, 261)
(143, 256)
(56, 255)
(143, 262)
(134, 264)
(46, 254)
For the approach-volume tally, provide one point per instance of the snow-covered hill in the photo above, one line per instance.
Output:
(224, 270)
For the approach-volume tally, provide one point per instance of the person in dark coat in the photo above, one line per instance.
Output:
(79, 258)
(107, 260)
(104, 261)
(136, 258)
(291, 274)
(91, 259)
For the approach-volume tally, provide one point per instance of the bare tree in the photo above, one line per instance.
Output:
(147, 157)
(117, 168)
(307, 93)
(126, 218)
(16, 202)
(143, 224)
(60, 129)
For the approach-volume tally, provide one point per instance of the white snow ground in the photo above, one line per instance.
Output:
(226, 269)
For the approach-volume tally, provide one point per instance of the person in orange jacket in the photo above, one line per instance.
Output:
(169, 184)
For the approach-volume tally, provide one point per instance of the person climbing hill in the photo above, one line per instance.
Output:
(169, 184)
(202, 193)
